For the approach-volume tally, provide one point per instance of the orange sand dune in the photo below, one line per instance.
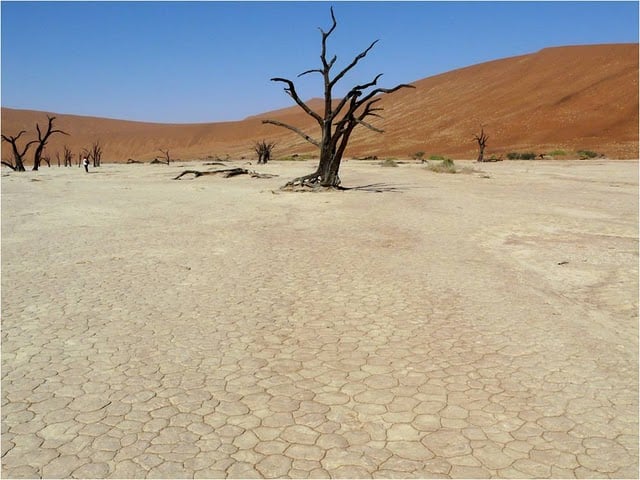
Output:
(570, 98)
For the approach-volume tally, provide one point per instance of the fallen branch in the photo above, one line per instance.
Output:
(226, 173)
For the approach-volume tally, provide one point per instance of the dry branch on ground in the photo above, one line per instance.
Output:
(226, 173)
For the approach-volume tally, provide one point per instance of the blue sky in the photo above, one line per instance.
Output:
(212, 61)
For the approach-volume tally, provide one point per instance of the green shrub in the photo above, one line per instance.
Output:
(557, 153)
(445, 166)
(521, 156)
(587, 154)
(436, 157)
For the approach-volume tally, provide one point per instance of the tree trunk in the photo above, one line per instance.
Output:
(481, 154)
(37, 157)
(19, 165)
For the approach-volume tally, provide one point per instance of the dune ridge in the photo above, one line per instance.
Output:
(568, 98)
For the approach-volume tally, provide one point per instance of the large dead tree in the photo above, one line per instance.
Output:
(482, 143)
(338, 122)
(263, 149)
(18, 154)
(42, 141)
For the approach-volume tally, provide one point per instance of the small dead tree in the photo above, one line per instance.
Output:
(482, 143)
(338, 122)
(167, 157)
(18, 154)
(95, 153)
(42, 141)
(67, 156)
(263, 149)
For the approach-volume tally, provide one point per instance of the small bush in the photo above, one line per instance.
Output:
(436, 157)
(521, 156)
(418, 155)
(584, 154)
(557, 153)
(389, 162)
(445, 166)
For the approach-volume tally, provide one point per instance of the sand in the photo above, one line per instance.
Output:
(477, 324)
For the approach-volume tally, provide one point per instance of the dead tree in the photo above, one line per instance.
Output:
(42, 141)
(68, 157)
(95, 153)
(167, 158)
(337, 122)
(18, 155)
(482, 142)
(264, 149)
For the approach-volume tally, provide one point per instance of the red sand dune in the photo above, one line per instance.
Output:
(570, 98)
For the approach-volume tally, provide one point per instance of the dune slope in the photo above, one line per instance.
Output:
(570, 98)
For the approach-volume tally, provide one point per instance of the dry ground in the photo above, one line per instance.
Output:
(451, 326)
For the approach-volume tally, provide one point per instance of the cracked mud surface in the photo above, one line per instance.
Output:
(460, 327)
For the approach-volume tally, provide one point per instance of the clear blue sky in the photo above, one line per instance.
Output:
(212, 61)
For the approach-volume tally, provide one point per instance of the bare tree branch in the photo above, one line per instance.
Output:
(355, 61)
(294, 129)
(291, 90)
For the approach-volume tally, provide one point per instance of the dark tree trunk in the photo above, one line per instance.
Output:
(481, 154)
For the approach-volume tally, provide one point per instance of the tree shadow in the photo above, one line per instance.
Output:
(377, 188)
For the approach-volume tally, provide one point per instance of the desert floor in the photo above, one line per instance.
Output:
(469, 325)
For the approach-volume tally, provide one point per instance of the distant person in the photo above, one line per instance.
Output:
(85, 162)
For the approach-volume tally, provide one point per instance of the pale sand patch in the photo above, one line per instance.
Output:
(503, 309)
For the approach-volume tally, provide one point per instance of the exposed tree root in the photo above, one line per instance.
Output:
(310, 183)
(226, 173)
(306, 187)
(306, 181)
